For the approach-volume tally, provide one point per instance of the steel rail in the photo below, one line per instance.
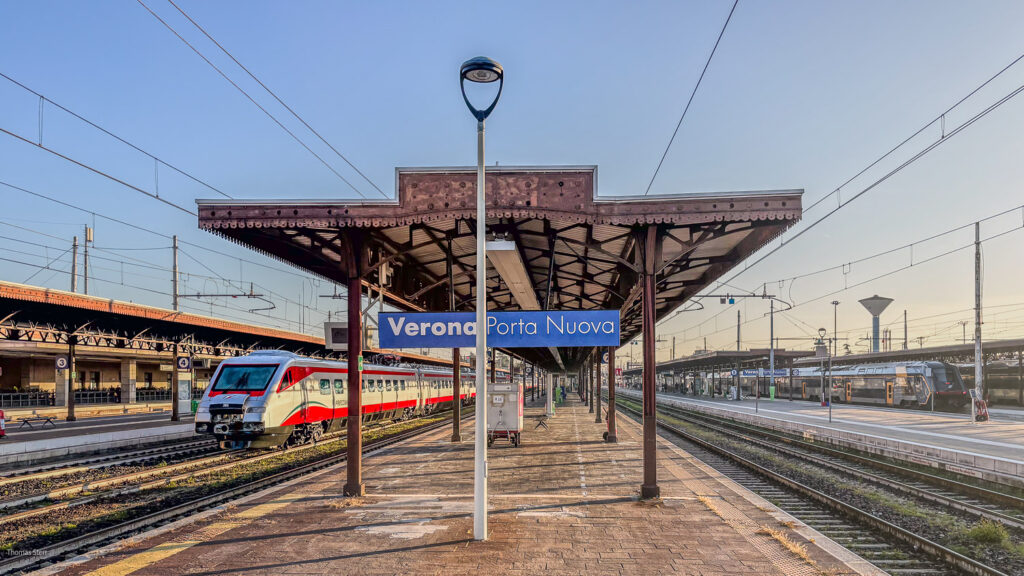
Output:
(94, 461)
(144, 474)
(1011, 521)
(49, 553)
(994, 496)
(933, 549)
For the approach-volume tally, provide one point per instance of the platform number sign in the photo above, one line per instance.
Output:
(604, 358)
(62, 362)
(184, 363)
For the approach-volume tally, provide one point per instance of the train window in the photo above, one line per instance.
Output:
(389, 385)
(380, 385)
(246, 378)
(403, 385)
(325, 386)
(339, 386)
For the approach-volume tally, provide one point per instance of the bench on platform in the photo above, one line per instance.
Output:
(44, 420)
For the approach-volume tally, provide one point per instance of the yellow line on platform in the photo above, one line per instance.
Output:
(160, 552)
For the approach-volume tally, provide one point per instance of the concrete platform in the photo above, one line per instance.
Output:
(87, 410)
(564, 502)
(24, 445)
(993, 450)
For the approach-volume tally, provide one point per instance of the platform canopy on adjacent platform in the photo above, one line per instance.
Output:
(575, 250)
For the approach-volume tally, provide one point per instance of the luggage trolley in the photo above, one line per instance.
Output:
(505, 412)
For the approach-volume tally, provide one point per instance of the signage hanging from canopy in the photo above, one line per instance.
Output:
(529, 329)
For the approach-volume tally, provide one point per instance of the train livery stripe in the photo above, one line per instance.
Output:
(319, 413)
(439, 399)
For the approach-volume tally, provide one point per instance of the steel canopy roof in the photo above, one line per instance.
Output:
(581, 251)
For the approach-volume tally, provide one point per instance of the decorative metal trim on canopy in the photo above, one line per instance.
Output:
(581, 252)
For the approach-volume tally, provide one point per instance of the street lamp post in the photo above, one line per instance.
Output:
(820, 346)
(483, 71)
(835, 327)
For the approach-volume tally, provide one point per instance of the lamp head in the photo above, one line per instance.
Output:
(821, 333)
(481, 70)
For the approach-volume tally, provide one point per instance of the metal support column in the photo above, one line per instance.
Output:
(354, 465)
(979, 375)
(533, 382)
(597, 386)
(550, 409)
(175, 383)
(592, 385)
(456, 394)
(651, 251)
(74, 264)
(456, 356)
(611, 437)
(72, 376)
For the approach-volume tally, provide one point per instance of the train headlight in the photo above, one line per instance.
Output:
(203, 409)
(255, 409)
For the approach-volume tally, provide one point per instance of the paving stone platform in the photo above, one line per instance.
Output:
(564, 502)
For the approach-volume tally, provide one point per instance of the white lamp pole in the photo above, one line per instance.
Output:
(481, 70)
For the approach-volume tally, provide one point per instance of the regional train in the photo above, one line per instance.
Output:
(274, 398)
(899, 384)
(922, 385)
(1003, 382)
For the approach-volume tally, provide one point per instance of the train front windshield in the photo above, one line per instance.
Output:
(947, 378)
(238, 378)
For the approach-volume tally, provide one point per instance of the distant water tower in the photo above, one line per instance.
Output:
(875, 305)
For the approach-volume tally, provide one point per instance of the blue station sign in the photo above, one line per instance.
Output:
(538, 329)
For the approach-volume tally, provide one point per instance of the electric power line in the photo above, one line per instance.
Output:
(115, 136)
(945, 137)
(155, 196)
(251, 99)
(279, 101)
(690, 101)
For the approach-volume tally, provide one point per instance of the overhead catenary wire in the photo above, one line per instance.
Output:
(251, 99)
(944, 138)
(847, 288)
(930, 123)
(279, 100)
(690, 101)
(115, 136)
(139, 263)
(99, 172)
(95, 214)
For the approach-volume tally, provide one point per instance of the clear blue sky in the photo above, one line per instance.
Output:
(799, 95)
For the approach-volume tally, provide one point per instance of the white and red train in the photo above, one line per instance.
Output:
(274, 398)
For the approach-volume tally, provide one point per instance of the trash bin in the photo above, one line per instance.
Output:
(195, 405)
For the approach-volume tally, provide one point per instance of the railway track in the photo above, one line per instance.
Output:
(977, 501)
(888, 546)
(20, 508)
(114, 458)
(96, 538)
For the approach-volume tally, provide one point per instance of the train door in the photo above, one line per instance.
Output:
(889, 384)
(849, 391)
(304, 399)
(340, 400)
(420, 401)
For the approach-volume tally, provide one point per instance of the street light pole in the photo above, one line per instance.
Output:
(771, 351)
(835, 326)
(484, 71)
